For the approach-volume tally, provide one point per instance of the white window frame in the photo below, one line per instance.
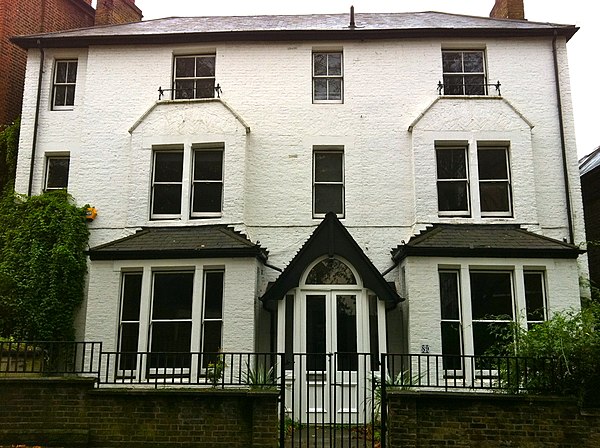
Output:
(205, 319)
(506, 180)
(49, 160)
(193, 78)
(463, 74)
(328, 76)
(342, 182)
(65, 83)
(196, 150)
(465, 149)
(157, 216)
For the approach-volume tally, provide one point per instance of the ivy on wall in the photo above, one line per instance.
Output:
(42, 265)
(9, 142)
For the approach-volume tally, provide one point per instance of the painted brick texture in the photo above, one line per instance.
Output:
(72, 413)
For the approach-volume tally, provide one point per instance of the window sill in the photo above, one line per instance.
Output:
(62, 108)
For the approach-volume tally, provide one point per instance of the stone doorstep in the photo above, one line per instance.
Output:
(46, 438)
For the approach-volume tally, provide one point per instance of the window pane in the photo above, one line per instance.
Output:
(70, 96)
(320, 85)
(289, 332)
(320, 64)
(534, 296)
(213, 295)
(184, 67)
(315, 332)
(328, 198)
(474, 85)
(208, 165)
(58, 173)
(173, 295)
(485, 335)
(207, 197)
(346, 333)
(473, 61)
(167, 200)
(328, 167)
(492, 164)
(453, 196)
(373, 332)
(169, 337)
(71, 72)
(330, 271)
(211, 341)
(205, 66)
(60, 95)
(494, 196)
(449, 295)
(491, 295)
(451, 346)
(334, 64)
(452, 61)
(451, 163)
(168, 166)
(205, 88)
(453, 85)
(335, 89)
(129, 343)
(184, 90)
(132, 292)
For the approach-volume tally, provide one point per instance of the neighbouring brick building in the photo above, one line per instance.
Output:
(20, 17)
(341, 183)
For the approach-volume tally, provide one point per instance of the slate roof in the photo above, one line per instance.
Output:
(590, 162)
(484, 240)
(180, 242)
(284, 27)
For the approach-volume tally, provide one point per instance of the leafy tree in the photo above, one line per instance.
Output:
(42, 265)
(9, 142)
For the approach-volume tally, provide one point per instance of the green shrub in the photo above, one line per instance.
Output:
(42, 265)
(563, 355)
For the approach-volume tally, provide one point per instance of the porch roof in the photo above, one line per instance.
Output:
(484, 240)
(213, 241)
(331, 238)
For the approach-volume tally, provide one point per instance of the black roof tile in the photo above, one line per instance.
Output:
(180, 242)
(484, 240)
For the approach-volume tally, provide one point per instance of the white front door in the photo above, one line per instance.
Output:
(333, 347)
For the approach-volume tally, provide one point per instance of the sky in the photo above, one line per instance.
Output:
(584, 55)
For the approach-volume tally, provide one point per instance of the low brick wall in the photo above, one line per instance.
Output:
(489, 420)
(71, 413)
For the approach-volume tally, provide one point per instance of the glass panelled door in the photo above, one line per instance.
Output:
(334, 333)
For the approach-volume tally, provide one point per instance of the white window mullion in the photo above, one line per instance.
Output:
(145, 307)
(519, 297)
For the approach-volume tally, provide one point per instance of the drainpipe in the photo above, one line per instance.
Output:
(35, 122)
(562, 141)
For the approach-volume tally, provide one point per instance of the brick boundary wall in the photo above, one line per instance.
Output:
(71, 413)
(479, 420)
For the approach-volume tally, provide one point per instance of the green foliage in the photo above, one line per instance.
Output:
(9, 142)
(260, 377)
(42, 265)
(563, 355)
(215, 369)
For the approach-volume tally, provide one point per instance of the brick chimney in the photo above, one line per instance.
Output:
(114, 12)
(508, 9)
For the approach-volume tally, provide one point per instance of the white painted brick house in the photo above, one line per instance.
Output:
(441, 145)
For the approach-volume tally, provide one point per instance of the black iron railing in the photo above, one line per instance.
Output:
(192, 93)
(509, 374)
(466, 89)
(44, 358)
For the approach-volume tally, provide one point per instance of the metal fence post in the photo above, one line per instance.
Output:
(383, 401)
(281, 357)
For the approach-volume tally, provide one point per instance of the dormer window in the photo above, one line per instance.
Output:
(464, 72)
(194, 77)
